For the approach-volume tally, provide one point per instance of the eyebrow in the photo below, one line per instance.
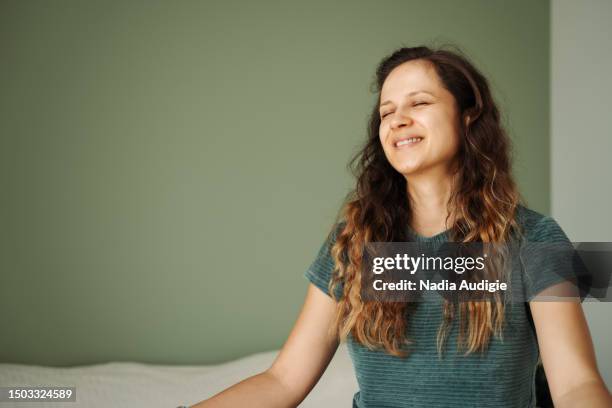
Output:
(410, 94)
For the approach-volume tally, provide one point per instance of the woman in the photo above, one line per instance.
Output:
(435, 168)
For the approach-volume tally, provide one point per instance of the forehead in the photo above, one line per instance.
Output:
(409, 77)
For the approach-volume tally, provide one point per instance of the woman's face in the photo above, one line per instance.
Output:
(419, 128)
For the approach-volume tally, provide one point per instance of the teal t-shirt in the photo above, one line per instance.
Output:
(503, 376)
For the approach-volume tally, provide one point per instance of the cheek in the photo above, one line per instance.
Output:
(382, 132)
(446, 132)
(382, 135)
(450, 135)
(447, 145)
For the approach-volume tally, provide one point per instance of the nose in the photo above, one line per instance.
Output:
(398, 120)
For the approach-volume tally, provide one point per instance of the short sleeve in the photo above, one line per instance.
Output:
(548, 257)
(321, 269)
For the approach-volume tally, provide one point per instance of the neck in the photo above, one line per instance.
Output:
(429, 197)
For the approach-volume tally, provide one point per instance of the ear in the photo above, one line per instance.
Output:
(467, 120)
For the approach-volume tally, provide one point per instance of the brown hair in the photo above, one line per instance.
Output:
(378, 209)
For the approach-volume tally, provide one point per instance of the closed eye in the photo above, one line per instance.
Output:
(414, 105)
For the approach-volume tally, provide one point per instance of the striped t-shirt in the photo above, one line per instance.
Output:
(503, 376)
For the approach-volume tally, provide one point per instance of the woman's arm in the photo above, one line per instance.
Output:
(298, 366)
(568, 356)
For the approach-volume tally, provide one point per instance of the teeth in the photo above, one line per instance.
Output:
(406, 141)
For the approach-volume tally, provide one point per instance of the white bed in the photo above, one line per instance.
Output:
(119, 384)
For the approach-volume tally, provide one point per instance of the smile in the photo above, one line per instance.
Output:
(409, 141)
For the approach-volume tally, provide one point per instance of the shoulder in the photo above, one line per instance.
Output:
(546, 253)
(335, 231)
(537, 227)
(322, 268)
(324, 256)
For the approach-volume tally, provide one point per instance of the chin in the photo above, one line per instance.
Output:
(408, 169)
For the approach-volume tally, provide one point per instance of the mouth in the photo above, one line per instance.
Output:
(408, 141)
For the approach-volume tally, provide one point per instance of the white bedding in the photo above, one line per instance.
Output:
(119, 384)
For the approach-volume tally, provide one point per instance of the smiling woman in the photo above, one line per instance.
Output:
(434, 168)
(409, 115)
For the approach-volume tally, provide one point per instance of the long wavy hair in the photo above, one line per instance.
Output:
(483, 201)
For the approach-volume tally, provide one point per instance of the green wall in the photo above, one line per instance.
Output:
(169, 169)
